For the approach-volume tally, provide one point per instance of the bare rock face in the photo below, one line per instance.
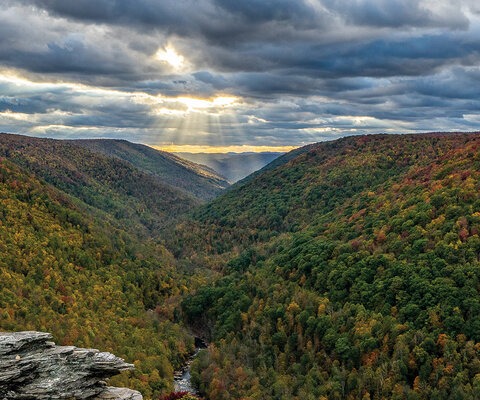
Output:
(112, 393)
(33, 367)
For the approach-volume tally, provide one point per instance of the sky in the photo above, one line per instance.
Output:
(231, 75)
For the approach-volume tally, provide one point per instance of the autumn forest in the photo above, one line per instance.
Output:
(347, 269)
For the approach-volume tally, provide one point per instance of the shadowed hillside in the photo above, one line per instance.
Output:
(195, 179)
(109, 185)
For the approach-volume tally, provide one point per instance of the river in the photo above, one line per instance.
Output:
(182, 378)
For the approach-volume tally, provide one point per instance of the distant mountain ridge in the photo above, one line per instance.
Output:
(193, 178)
(233, 166)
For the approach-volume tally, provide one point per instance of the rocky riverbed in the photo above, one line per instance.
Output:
(182, 378)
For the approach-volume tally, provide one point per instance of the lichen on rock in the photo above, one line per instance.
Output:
(33, 367)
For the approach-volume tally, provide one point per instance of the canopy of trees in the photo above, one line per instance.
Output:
(80, 257)
(349, 272)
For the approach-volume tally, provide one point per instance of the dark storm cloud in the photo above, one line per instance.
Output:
(302, 69)
(398, 13)
(417, 55)
(248, 36)
(184, 16)
(37, 43)
(149, 13)
(70, 58)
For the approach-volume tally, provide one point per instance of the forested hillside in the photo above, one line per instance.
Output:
(195, 179)
(350, 272)
(80, 256)
(344, 270)
(111, 187)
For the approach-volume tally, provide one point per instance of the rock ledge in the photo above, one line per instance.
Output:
(33, 367)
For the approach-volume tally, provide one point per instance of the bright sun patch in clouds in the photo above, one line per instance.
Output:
(182, 105)
(170, 56)
(194, 103)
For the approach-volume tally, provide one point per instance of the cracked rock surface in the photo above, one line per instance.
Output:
(33, 367)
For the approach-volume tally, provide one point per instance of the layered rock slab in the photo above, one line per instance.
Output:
(33, 367)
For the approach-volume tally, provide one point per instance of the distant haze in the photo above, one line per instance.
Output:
(233, 166)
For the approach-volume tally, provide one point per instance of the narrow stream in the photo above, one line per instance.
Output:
(181, 378)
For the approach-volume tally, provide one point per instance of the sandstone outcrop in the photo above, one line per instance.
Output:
(33, 367)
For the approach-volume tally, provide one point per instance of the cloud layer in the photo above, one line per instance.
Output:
(229, 72)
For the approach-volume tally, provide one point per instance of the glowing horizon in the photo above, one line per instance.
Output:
(188, 148)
